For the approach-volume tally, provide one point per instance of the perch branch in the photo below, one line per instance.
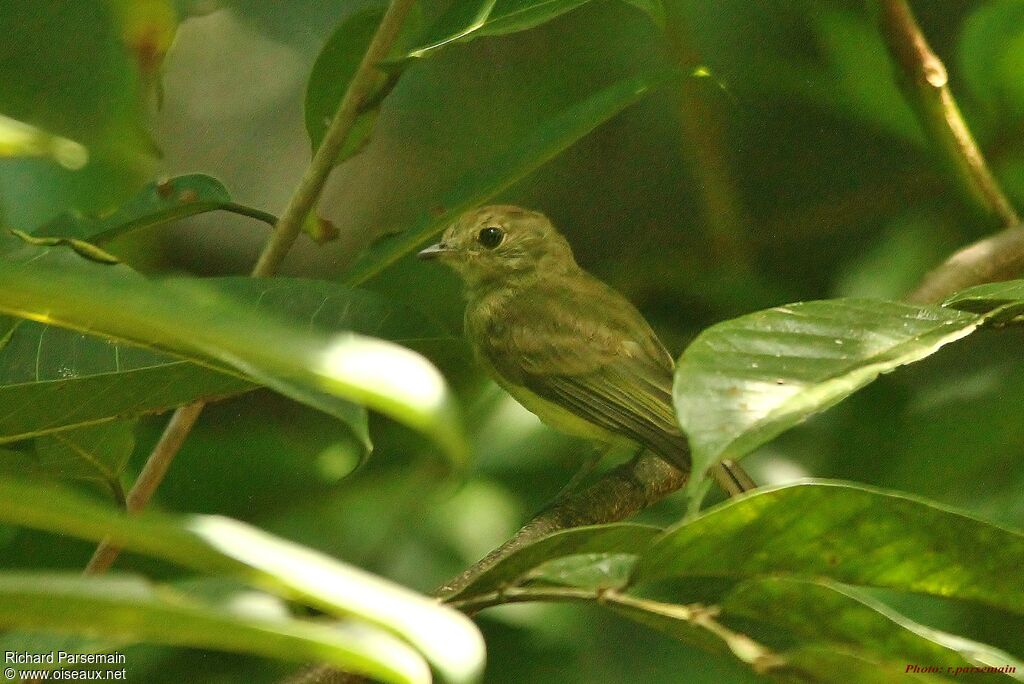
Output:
(285, 232)
(926, 84)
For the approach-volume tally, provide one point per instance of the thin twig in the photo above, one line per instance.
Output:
(365, 81)
(286, 230)
(926, 83)
(150, 478)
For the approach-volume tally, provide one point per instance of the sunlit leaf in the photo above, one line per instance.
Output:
(55, 379)
(18, 139)
(157, 203)
(197, 322)
(533, 150)
(129, 609)
(222, 546)
(849, 534)
(744, 381)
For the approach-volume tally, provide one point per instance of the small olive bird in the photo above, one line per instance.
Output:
(566, 346)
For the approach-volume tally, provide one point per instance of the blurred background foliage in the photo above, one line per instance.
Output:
(792, 170)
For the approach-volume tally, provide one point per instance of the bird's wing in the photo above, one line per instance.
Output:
(590, 351)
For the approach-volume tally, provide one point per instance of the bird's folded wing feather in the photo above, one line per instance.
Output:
(590, 351)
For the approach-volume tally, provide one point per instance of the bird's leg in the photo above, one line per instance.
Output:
(732, 478)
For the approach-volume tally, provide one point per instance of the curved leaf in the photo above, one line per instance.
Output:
(744, 381)
(213, 544)
(465, 21)
(129, 609)
(850, 534)
(617, 538)
(535, 148)
(193, 320)
(157, 203)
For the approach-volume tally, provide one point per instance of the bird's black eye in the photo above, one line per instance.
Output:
(490, 237)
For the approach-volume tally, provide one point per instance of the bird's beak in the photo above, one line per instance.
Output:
(434, 251)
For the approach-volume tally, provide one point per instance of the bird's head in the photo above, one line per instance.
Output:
(500, 244)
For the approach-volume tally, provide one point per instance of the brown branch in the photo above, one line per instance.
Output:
(617, 495)
(926, 84)
(999, 257)
(286, 230)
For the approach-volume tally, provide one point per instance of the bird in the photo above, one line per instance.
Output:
(564, 344)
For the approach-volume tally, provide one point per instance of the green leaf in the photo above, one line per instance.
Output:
(619, 538)
(744, 381)
(849, 534)
(192, 320)
(986, 298)
(532, 151)
(18, 139)
(334, 68)
(466, 21)
(99, 452)
(157, 203)
(786, 623)
(130, 609)
(813, 613)
(218, 545)
(56, 379)
(600, 571)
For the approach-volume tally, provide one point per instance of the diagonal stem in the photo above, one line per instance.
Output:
(926, 84)
(286, 230)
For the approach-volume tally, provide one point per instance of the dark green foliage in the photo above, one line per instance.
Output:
(751, 174)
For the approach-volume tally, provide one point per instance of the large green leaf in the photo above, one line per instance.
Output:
(744, 381)
(219, 545)
(598, 539)
(822, 613)
(785, 621)
(531, 151)
(157, 203)
(466, 21)
(57, 379)
(849, 534)
(129, 609)
(193, 320)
